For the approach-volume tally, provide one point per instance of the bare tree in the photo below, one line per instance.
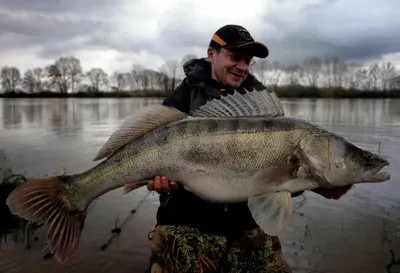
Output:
(98, 78)
(10, 78)
(75, 70)
(259, 69)
(293, 74)
(373, 73)
(364, 82)
(170, 70)
(32, 80)
(336, 70)
(312, 70)
(162, 81)
(136, 73)
(38, 75)
(386, 73)
(327, 71)
(350, 77)
(65, 73)
(273, 73)
(153, 82)
(121, 81)
(394, 83)
(28, 82)
(148, 79)
(58, 77)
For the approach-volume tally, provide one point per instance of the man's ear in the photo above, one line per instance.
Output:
(211, 54)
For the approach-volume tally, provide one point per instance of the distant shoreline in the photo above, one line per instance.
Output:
(294, 92)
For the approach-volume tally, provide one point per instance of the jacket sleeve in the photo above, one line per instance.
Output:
(180, 98)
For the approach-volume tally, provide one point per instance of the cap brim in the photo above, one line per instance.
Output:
(256, 48)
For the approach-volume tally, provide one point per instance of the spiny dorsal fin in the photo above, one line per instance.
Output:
(252, 103)
(141, 122)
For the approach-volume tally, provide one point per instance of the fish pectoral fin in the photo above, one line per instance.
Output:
(140, 123)
(271, 210)
(133, 186)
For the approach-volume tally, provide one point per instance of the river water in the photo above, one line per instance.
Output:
(44, 137)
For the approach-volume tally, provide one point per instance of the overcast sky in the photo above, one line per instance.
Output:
(114, 34)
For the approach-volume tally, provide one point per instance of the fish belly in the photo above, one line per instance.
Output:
(219, 167)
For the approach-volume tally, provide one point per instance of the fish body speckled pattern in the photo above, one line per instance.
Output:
(240, 148)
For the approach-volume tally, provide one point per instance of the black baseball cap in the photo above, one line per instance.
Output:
(235, 37)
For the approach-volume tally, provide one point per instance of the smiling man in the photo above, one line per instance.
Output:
(193, 235)
(237, 48)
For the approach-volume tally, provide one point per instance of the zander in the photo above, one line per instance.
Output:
(240, 148)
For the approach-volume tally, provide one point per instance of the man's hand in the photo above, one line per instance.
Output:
(162, 184)
(334, 193)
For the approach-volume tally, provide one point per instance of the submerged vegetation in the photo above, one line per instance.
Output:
(11, 225)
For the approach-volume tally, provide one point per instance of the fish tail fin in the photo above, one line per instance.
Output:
(41, 201)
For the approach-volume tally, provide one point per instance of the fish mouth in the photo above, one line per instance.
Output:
(376, 174)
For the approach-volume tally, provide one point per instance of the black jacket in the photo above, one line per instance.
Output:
(181, 207)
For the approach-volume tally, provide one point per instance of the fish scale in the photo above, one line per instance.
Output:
(217, 149)
(233, 149)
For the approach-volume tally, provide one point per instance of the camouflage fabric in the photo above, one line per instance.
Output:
(184, 249)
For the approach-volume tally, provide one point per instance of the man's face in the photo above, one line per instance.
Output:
(230, 67)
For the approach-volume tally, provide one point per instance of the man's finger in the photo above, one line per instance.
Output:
(157, 184)
(150, 185)
(334, 193)
(165, 184)
(174, 185)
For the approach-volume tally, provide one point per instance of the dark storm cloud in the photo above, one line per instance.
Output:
(59, 26)
(41, 29)
(352, 30)
(292, 30)
(357, 30)
(65, 6)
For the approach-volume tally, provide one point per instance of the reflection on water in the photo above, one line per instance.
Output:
(43, 137)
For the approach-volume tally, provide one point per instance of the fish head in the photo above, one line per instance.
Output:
(337, 162)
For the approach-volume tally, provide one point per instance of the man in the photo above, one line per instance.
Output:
(193, 235)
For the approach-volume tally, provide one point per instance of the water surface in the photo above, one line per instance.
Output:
(44, 137)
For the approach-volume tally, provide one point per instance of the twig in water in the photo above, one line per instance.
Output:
(392, 263)
(379, 148)
(117, 230)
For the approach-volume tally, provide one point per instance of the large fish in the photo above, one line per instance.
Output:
(240, 148)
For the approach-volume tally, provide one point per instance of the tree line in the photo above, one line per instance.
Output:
(66, 76)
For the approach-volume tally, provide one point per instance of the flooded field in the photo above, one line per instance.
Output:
(358, 233)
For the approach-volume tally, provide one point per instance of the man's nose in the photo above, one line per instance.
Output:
(242, 64)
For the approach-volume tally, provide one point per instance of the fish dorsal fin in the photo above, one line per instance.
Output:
(139, 123)
(251, 103)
